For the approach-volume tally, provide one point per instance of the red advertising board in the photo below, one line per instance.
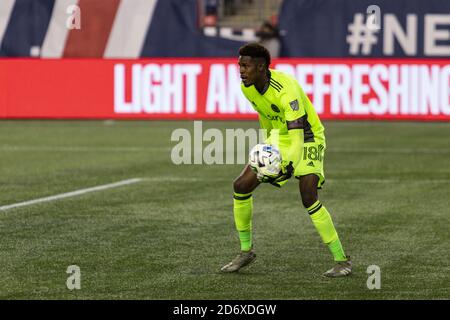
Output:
(416, 89)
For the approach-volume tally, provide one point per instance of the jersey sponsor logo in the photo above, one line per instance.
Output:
(294, 105)
(275, 108)
(275, 118)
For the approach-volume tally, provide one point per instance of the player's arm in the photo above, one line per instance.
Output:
(296, 136)
(294, 154)
(294, 114)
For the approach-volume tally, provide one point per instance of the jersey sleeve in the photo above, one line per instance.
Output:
(291, 102)
(294, 153)
(294, 109)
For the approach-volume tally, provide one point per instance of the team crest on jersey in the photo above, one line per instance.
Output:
(294, 105)
(275, 108)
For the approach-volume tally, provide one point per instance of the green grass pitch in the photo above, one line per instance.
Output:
(388, 190)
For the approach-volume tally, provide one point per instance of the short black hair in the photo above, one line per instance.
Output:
(255, 50)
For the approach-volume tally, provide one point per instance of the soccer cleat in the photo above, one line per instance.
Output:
(341, 269)
(243, 259)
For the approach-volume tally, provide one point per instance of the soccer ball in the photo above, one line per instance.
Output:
(265, 159)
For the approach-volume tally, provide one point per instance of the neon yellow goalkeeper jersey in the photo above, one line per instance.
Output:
(284, 100)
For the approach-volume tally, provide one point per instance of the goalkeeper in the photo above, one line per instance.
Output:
(294, 127)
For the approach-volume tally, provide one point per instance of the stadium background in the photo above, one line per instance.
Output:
(166, 236)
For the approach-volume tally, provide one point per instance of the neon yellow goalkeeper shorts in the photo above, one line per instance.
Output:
(311, 161)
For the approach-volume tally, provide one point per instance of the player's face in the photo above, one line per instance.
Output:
(249, 70)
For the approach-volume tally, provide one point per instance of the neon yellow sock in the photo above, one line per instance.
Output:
(324, 225)
(243, 212)
(246, 240)
(337, 251)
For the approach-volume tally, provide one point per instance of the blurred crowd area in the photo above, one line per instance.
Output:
(217, 28)
(238, 13)
(259, 15)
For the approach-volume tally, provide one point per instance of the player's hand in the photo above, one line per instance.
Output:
(287, 170)
(262, 178)
(259, 176)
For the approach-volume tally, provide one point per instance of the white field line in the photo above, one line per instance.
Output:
(71, 194)
(237, 148)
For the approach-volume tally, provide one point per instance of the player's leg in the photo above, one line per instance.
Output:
(320, 216)
(243, 187)
(246, 182)
(311, 175)
(323, 223)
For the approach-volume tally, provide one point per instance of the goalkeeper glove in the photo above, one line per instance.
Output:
(261, 177)
(286, 172)
(287, 169)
